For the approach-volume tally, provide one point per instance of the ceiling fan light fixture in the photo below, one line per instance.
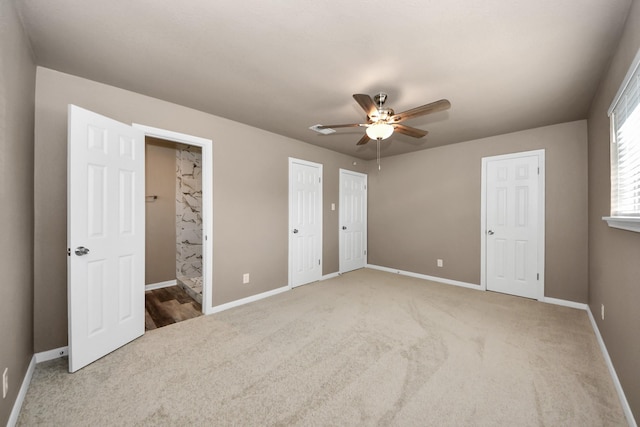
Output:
(379, 131)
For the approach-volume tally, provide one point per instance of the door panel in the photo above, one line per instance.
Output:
(512, 225)
(106, 216)
(305, 222)
(353, 220)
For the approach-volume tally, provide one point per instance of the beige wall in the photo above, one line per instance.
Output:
(426, 205)
(160, 214)
(250, 193)
(614, 255)
(17, 89)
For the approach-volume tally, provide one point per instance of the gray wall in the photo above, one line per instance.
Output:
(250, 193)
(160, 214)
(426, 205)
(614, 255)
(17, 89)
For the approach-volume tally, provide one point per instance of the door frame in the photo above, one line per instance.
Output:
(366, 219)
(206, 145)
(541, 218)
(320, 167)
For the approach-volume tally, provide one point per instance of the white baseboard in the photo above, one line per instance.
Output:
(17, 405)
(37, 358)
(247, 300)
(159, 285)
(426, 277)
(56, 353)
(614, 376)
(329, 276)
(565, 303)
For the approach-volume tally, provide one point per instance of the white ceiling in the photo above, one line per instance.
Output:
(284, 65)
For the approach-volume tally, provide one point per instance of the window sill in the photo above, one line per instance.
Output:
(623, 223)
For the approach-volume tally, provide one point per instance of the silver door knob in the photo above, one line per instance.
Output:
(490, 232)
(295, 231)
(81, 250)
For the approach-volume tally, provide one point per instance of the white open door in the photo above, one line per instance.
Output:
(105, 235)
(305, 222)
(513, 238)
(353, 220)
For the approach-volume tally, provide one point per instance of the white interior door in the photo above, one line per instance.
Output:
(513, 226)
(105, 226)
(305, 222)
(353, 220)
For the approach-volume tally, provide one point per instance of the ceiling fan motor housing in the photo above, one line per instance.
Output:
(380, 99)
(382, 115)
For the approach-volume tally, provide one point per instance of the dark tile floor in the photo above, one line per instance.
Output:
(169, 305)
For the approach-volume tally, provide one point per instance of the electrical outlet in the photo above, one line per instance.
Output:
(440, 263)
(602, 311)
(5, 382)
(245, 278)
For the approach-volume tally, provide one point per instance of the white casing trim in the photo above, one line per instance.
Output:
(425, 277)
(17, 405)
(247, 300)
(206, 145)
(625, 82)
(616, 382)
(159, 285)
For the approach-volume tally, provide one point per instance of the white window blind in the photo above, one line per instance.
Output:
(625, 148)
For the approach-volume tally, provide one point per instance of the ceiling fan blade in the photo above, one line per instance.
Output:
(349, 125)
(411, 131)
(433, 107)
(363, 140)
(366, 103)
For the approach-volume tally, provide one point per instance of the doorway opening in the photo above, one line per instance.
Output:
(173, 232)
(189, 177)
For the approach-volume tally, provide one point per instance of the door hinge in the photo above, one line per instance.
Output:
(538, 171)
(68, 251)
(538, 276)
(318, 262)
(365, 186)
(365, 252)
(319, 180)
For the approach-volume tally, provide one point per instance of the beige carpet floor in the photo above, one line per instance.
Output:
(366, 348)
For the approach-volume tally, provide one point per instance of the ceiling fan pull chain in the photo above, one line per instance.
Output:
(378, 141)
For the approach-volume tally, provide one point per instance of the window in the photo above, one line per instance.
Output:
(624, 114)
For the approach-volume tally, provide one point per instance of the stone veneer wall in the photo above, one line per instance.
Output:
(188, 212)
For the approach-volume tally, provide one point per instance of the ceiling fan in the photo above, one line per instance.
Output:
(382, 122)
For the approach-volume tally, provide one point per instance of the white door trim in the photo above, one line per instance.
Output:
(207, 203)
(342, 172)
(319, 166)
(541, 209)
